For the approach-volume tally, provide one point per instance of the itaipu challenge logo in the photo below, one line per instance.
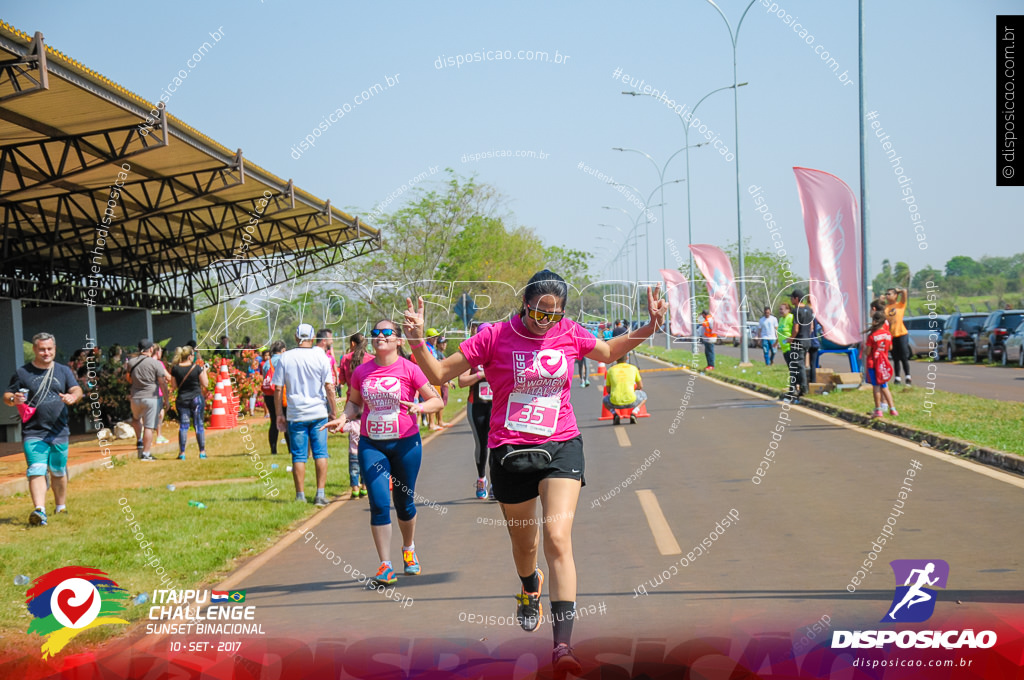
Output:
(69, 600)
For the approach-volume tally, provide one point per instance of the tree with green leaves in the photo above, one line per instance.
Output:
(417, 240)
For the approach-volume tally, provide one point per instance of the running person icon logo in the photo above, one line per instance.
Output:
(913, 602)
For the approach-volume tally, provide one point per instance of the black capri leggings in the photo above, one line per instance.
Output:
(272, 436)
(479, 421)
(901, 355)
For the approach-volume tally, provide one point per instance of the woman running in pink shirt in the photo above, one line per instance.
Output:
(390, 449)
(535, 446)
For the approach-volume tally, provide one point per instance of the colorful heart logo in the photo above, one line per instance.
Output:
(551, 363)
(73, 612)
(75, 603)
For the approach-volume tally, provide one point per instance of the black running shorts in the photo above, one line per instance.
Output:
(517, 487)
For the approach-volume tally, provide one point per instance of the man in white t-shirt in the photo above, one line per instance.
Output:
(768, 331)
(306, 375)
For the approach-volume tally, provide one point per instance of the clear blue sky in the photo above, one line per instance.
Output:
(282, 66)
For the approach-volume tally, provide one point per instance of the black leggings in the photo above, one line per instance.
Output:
(901, 355)
(479, 421)
(272, 412)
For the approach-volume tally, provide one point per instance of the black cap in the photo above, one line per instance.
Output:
(145, 344)
(797, 293)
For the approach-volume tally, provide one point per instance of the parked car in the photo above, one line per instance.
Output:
(752, 339)
(921, 330)
(1013, 348)
(998, 325)
(958, 334)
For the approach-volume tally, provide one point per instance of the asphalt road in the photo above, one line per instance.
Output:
(981, 380)
(802, 533)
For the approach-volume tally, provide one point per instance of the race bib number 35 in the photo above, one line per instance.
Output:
(530, 413)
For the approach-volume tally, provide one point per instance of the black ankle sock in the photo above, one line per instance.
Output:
(563, 613)
(531, 583)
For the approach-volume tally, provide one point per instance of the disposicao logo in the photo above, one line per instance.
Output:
(922, 573)
(914, 602)
(69, 600)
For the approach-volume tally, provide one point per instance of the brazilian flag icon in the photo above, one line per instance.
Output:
(236, 595)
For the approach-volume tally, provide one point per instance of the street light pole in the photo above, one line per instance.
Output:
(734, 37)
(636, 224)
(687, 146)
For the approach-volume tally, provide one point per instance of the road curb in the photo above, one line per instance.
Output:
(956, 447)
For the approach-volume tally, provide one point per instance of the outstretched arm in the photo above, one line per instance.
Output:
(608, 351)
(437, 372)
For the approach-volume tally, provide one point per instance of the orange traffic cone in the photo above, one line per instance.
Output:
(605, 413)
(219, 416)
(601, 368)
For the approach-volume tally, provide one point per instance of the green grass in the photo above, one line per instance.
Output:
(949, 302)
(985, 422)
(456, 402)
(195, 546)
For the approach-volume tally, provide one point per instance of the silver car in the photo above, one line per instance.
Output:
(921, 329)
(1013, 349)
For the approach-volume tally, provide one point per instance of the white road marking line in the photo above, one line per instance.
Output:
(666, 542)
(623, 437)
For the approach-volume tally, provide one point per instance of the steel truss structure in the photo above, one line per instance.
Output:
(125, 206)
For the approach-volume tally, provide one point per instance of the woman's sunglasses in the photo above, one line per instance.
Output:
(386, 332)
(543, 317)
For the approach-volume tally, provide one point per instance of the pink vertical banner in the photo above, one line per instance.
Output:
(832, 223)
(724, 306)
(677, 292)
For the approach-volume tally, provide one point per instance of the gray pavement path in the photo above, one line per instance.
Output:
(802, 533)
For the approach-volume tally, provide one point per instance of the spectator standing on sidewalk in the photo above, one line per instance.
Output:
(163, 394)
(799, 344)
(708, 338)
(876, 360)
(306, 375)
(276, 350)
(49, 388)
(785, 328)
(325, 341)
(768, 331)
(896, 305)
(192, 384)
(148, 378)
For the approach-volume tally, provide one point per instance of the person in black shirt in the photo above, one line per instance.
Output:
(192, 383)
(800, 342)
(49, 388)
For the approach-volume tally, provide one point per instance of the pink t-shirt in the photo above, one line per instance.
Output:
(530, 376)
(344, 370)
(381, 388)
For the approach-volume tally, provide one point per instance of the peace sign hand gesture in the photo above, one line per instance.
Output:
(657, 306)
(413, 326)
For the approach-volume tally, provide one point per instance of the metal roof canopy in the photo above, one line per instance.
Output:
(183, 201)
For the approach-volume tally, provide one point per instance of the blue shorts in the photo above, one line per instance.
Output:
(872, 380)
(42, 456)
(305, 435)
